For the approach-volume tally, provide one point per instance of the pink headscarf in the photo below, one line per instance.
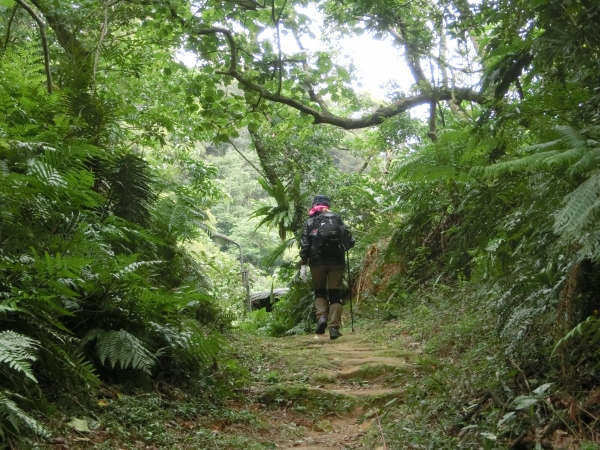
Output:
(318, 209)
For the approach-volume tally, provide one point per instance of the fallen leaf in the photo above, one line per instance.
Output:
(79, 425)
(325, 426)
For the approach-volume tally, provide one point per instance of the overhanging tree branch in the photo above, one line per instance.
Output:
(42, 27)
(66, 39)
(411, 53)
(232, 47)
(367, 120)
(371, 119)
(311, 90)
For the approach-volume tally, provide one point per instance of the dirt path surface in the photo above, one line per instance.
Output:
(302, 392)
(334, 390)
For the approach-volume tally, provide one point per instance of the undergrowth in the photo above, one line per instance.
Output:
(471, 392)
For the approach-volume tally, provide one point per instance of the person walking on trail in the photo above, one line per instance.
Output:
(322, 246)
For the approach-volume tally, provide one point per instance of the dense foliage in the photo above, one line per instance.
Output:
(116, 159)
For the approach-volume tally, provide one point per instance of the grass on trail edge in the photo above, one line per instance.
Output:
(261, 398)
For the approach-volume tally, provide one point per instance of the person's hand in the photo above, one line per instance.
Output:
(303, 273)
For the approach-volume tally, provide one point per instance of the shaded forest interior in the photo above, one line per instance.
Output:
(132, 133)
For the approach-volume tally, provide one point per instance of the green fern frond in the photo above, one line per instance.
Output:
(571, 136)
(530, 163)
(565, 158)
(16, 422)
(46, 174)
(544, 146)
(132, 189)
(589, 161)
(571, 151)
(131, 268)
(76, 363)
(401, 167)
(589, 329)
(18, 351)
(579, 204)
(122, 348)
(190, 346)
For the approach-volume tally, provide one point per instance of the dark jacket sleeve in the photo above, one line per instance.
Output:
(306, 241)
(349, 239)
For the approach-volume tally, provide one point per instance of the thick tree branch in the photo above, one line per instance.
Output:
(42, 27)
(311, 91)
(432, 133)
(367, 120)
(66, 39)
(232, 47)
(411, 53)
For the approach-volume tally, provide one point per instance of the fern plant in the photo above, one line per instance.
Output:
(573, 157)
(14, 422)
(121, 348)
(588, 331)
(18, 352)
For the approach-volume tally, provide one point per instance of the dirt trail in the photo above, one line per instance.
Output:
(348, 381)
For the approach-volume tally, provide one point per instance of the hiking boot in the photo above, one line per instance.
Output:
(321, 325)
(334, 333)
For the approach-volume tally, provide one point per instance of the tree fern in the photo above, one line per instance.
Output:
(190, 347)
(121, 348)
(131, 189)
(572, 151)
(581, 208)
(178, 217)
(529, 163)
(18, 351)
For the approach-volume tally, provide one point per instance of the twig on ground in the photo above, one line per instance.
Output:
(474, 410)
(514, 364)
(381, 430)
(518, 441)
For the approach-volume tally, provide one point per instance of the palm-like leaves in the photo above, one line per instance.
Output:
(577, 157)
(287, 213)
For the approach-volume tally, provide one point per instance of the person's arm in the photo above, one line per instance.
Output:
(348, 241)
(305, 243)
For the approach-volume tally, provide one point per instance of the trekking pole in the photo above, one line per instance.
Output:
(350, 291)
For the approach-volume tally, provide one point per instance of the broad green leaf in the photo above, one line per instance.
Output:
(542, 389)
(525, 402)
(79, 425)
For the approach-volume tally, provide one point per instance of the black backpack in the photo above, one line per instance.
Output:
(330, 237)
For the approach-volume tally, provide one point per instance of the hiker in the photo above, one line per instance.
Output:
(322, 246)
